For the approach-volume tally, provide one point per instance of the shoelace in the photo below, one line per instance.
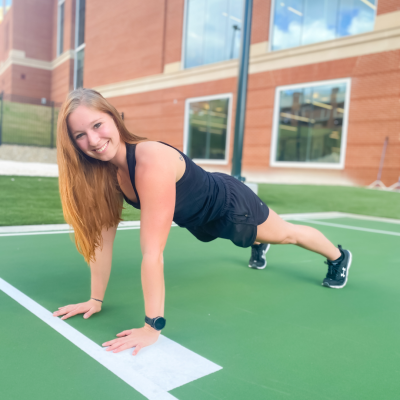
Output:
(255, 252)
(332, 268)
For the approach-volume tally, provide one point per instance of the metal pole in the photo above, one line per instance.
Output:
(1, 117)
(382, 158)
(52, 126)
(242, 91)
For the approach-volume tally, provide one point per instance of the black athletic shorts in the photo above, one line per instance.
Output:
(242, 213)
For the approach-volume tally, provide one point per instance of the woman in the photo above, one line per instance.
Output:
(100, 162)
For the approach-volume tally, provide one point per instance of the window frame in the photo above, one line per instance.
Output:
(275, 124)
(190, 100)
(271, 30)
(60, 3)
(77, 48)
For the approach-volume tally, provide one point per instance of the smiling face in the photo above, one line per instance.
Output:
(94, 132)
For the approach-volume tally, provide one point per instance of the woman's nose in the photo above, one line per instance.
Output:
(93, 139)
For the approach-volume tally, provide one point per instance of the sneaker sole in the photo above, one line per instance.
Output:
(347, 275)
(264, 253)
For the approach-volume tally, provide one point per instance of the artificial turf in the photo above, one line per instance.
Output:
(35, 201)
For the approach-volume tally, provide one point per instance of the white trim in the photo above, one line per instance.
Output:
(153, 372)
(275, 124)
(228, 96)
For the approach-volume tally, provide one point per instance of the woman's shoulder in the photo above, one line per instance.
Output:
(148, 151)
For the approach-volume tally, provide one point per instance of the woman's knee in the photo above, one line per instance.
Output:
(290, 236)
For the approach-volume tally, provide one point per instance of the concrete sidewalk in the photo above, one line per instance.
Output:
(18, 168)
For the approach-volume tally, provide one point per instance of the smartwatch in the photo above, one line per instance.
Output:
(157, 323)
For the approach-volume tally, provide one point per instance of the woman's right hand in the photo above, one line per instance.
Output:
(88, 308)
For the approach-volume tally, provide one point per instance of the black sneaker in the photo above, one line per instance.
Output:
(257, 259)
(338, 273)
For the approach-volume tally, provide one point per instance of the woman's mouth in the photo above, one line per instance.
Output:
(103, 148)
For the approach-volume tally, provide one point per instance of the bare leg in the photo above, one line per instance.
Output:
(277, 231)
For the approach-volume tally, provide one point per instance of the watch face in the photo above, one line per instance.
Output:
(159, 323)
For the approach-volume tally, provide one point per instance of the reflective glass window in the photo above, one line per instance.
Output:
(207, 130)
(301, 22)
(81, 22)
(60, 42)
(310, 123)
(213, 31)
(80, 57)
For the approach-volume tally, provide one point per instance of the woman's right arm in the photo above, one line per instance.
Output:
(100, 274)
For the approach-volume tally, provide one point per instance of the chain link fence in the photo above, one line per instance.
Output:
(28, 121)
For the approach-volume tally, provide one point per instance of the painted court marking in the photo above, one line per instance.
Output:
(156, 370)
(354, 228)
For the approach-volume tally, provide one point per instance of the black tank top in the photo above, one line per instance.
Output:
(200, 195)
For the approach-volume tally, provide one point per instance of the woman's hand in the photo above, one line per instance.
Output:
(88, 308)
(137, 338)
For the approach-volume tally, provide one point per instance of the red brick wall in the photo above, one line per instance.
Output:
(62, 80)
(32, 82)
(120, 48)
(173, 31)
(386, 6)
(260, 21)
(33, 28)
(5, 81)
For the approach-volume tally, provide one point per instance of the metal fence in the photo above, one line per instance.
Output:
(28, 121)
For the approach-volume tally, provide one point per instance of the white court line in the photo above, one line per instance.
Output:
(153, 372)
(125, 225)
(354, 228)
(23, 230)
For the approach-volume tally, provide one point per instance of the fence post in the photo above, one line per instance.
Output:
(1, 117)
(52, 126)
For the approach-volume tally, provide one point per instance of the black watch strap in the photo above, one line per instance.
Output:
(157, 323)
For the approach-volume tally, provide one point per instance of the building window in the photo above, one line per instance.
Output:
(79, 42)
(212, 31)
(310, 125)
(301, 22)
(60, 27)
(207, 127)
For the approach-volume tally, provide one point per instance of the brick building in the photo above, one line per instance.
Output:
(324, 82)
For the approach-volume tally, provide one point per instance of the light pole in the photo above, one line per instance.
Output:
(242, 91)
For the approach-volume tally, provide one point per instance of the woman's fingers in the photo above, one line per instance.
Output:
(71, 314)
(137, 349)
(89, 313)
(124, 333)
(123, 347)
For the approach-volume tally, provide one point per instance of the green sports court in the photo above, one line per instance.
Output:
(232, 332)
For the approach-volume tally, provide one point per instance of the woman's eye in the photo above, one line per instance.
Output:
(97, 125)
(79, 136)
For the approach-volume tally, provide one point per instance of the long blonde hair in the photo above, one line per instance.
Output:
(90, 195)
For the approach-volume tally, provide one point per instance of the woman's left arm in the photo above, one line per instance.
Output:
(155, 180)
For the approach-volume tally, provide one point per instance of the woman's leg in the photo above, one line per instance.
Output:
(277, 231)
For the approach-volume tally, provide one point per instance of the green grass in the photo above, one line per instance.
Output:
(28, 124)
(32, 201)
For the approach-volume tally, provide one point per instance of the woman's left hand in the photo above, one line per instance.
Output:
(137, 338)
